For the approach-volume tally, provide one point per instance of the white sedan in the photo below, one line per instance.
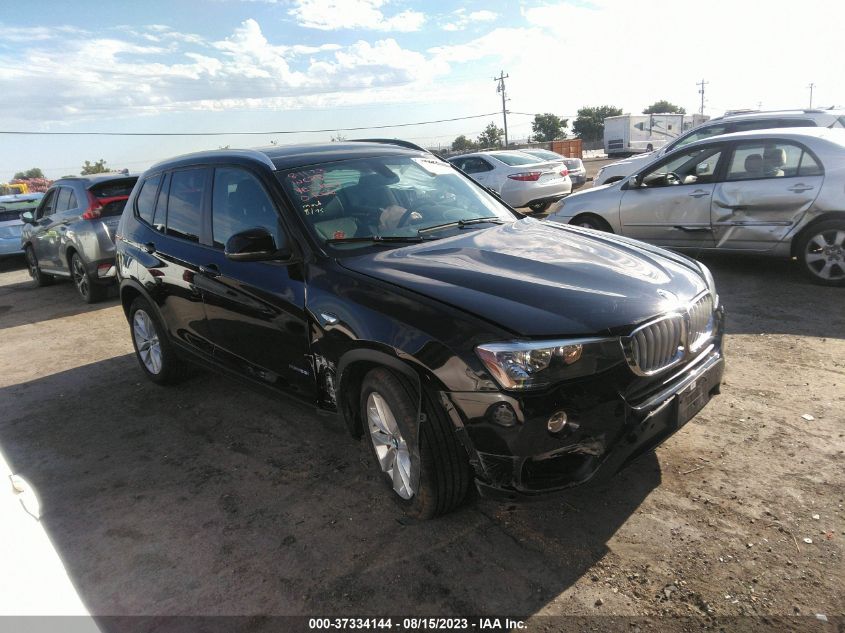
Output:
(521, 179)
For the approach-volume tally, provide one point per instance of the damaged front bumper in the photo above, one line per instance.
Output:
(606, 428)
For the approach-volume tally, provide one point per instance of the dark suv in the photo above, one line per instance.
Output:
(71, 233)
(375, 280)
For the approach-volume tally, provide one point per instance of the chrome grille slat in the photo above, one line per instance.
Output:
(667, 340)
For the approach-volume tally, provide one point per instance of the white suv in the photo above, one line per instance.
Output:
(744, 121)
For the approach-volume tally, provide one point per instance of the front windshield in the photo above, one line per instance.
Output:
(347, 202)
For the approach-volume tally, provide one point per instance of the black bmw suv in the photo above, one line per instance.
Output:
(461, 341)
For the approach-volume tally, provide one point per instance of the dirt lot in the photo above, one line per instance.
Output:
(212, 499)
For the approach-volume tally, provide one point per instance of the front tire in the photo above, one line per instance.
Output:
(821, 251)
(592, 222)
(89, 291)
(389, 413)
(38, 277)
(153, 350)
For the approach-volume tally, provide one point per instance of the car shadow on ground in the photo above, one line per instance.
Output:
(764, 295)
(22, 302)
(209, 498)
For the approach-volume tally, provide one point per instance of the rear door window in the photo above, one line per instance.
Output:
(145, 203)
(754, 160)
(63, 199)
(184, 203)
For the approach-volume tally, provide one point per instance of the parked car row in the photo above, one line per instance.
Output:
(776, 192)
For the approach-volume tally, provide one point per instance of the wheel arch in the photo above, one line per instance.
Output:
(593, 216)
(796, 239)
(351, 369)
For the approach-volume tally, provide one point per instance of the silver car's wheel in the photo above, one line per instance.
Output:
(391, 449)
(146, 342)
(80, 277)
(824, 255)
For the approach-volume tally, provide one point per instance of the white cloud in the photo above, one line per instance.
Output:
(148, 70)
(460, 19)
(331, 15)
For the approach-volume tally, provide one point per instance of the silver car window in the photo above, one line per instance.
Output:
(703, 132)
(685, 168)
(753, 160)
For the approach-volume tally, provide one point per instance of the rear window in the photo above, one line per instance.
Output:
(545, 154)
(573, 163)
(113, 188)
(513, 158)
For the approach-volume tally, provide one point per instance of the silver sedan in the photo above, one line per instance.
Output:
(775, 192)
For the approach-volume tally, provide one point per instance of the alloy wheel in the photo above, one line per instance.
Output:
(32, 264)
(391, 449)
(825, 255)
(146, 341)
(80, 277)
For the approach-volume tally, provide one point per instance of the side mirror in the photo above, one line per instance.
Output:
(636, 181)
(255, 245)
(28, 217)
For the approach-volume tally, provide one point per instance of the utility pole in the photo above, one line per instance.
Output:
(811, 86)
(501, 88)
(701, 85)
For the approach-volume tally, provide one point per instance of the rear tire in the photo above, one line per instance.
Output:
(38, 277)
(153, 349)
(444, 472)
(87, 289)
(539, 207)
(821, 252)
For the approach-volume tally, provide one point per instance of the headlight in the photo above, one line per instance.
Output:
(711, 284)
(529, 365)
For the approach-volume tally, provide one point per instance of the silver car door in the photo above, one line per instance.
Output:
(669, 204)
(769, 186)
(44, 238)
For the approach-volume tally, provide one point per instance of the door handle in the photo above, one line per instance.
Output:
(210, 270)
(800, 187)
(699, 193)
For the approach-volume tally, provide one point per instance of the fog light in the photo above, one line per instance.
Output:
(557, 422)
(502, 414)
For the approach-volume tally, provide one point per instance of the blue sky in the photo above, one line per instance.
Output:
(251, 65)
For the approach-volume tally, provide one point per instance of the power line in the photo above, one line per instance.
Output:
(268, 133)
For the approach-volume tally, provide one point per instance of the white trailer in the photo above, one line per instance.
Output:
(637, 133)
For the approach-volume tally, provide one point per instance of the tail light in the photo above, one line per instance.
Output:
(526, 176)
(94, 208)
(564, 172)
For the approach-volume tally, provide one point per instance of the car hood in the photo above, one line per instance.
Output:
(541, 279)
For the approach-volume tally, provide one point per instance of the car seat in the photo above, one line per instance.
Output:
(754, 166)
(774, 158)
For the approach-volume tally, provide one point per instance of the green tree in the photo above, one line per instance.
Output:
(589, 124)
(462, 144)
(35, 172)
(491, 136)
(548, 127)
(94, 168)
(663, 106)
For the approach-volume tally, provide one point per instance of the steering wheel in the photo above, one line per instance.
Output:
(406, 217)
(673, 179)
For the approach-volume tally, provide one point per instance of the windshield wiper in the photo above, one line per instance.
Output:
(377, 239)
(462, 223)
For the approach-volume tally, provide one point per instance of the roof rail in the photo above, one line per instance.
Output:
(390, 141)
(739, 111)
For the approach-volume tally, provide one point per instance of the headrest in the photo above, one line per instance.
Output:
(774, 157)
(753, 163)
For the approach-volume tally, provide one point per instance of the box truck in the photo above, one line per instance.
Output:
(637, 133)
